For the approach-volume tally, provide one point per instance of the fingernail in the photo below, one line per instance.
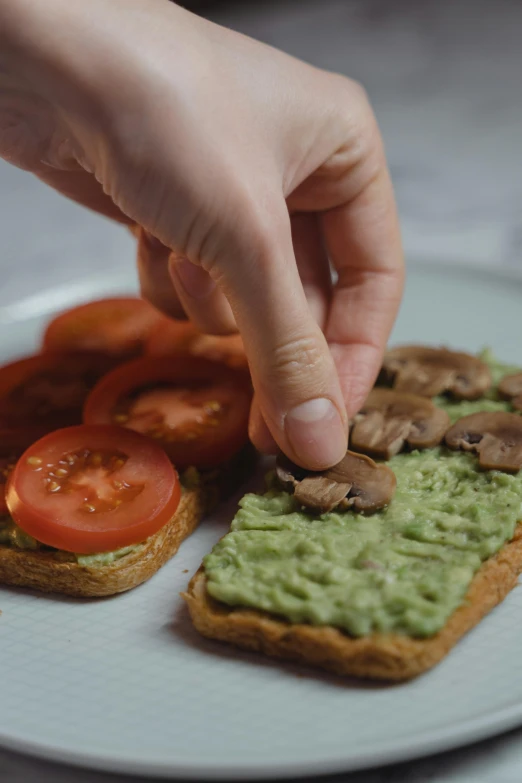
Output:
(316, 433)
(194, 280)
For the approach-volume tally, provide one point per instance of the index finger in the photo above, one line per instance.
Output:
(363, 240)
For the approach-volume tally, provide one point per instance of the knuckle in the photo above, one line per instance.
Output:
(298, 360)
(360, 151)
(355, 111)
(360, 95)
(251, 231)
(352, 93)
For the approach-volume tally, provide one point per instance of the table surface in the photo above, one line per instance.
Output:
(444, 78)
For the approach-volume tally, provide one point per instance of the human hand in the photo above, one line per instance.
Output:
(252, 167)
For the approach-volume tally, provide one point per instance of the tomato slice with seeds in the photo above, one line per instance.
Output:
(197, 409)
(171, 338)
(93, 489)
(13, 443)
(118, 326)
(48, 391)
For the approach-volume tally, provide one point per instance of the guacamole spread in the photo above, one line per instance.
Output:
(14, 536)
(404, 569)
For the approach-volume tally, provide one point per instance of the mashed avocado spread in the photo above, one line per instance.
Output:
(404, 569)
(14, 536)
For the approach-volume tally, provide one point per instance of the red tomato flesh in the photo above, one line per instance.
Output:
(48, 391)
(93, 489)
(196, 409)
(117, 326)
(171, 338)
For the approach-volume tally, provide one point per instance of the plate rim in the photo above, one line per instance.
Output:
(451, 736)
(125, 280)
(428, 743)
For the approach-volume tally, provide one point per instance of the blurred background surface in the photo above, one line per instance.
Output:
(444, 77)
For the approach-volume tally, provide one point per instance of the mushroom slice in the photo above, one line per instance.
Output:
(432, 371)
(390, 419)
(495, 437)
(355, 482)
(510, 388)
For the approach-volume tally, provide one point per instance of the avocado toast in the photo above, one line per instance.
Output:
(109, 459)
(386, 595)
(24, 562)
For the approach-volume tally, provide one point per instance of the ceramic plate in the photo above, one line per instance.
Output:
(125, 684)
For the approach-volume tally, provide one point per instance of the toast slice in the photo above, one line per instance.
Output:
(379, 656)
(42, 570)
(60, 572)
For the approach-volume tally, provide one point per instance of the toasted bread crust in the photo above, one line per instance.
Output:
(383, 657)
(42, 571)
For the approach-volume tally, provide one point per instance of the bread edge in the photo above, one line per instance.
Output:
(41, 570)
(390, 657)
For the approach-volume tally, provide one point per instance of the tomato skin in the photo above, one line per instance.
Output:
(172, 338)
(216, 445)
(119, 327)
(28, 386)
(58, 520)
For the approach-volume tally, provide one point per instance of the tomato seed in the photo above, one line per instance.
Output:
(34, 461)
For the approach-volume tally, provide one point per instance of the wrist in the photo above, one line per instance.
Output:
(26, 43)
(49, 47)
(81, 56)
(9, 30)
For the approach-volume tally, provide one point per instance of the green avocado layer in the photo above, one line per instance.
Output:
(404, 569)
(13, 536)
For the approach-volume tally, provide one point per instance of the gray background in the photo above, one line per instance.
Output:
(445, 80)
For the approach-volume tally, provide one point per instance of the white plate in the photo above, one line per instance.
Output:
(125, 684)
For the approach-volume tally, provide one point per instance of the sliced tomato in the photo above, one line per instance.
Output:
(171, 338)
(119, 326)
(13, 443)
(48, 391)
(93, 489)
(197, 409)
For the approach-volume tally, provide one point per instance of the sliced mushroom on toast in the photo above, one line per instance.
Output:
(510, 388)
(495, 437)
(356, 482)
(390, 420)
(429, 372)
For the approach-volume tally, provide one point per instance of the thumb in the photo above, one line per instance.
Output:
(294, 376)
